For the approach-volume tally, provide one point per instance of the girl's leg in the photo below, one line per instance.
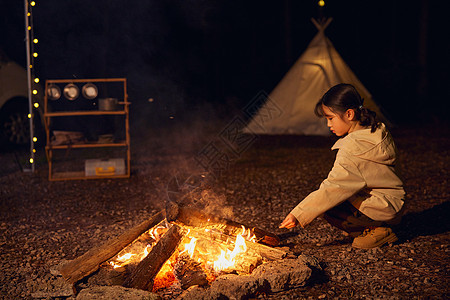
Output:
(349, 219)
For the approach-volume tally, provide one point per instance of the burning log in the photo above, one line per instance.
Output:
(143, 275)
(194, 217)
(266, 252)
(245, 263)
(89, 262)
(189, 272)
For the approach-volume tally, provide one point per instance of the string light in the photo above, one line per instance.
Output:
(31, 55)
(321, 3)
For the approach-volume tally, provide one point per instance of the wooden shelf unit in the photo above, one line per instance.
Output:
(50, 148)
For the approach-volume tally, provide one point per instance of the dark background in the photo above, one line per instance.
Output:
(209, 59)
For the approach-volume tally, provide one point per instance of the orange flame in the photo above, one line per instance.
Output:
(247, 233)
(227, 258)
(190, 247)
(137, 251)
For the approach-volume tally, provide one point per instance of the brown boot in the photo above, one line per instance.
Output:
(375, 237)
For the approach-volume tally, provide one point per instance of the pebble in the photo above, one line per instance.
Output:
(61, 223)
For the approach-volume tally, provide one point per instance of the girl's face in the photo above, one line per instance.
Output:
(339, 125)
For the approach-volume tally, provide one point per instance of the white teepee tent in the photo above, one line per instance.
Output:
(294, 98)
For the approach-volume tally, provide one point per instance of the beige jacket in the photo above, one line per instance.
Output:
(364, 173)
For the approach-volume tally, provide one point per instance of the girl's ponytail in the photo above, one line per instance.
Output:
(367, 117)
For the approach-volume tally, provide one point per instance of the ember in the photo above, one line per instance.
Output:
(165, 277)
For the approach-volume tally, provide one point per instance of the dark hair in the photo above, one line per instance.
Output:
(342, 97)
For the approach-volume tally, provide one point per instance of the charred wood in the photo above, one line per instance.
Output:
(189, 272)
(107, 275)
(143, 275)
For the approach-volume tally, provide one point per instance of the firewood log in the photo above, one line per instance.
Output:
(266, 252)
(189, 272)
(194, 217)
(89, 262)
(143, 275)
(245, 264)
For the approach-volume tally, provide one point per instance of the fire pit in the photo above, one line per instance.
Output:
(194, 251)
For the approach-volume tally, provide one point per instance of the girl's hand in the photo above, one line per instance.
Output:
(289, 222)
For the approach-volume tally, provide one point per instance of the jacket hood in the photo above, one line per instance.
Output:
(375, 146)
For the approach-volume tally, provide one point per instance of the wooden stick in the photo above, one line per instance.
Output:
(194, 217)
(144, 273)
(89, 262)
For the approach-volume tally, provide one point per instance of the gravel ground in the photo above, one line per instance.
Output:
(43, 223)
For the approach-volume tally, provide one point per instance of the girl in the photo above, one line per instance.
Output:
(363, 193)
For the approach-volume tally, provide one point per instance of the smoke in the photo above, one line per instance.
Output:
(194, 190)
(213, 204)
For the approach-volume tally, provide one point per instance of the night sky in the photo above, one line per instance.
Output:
(213, 57)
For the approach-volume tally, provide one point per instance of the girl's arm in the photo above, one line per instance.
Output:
(343, 181)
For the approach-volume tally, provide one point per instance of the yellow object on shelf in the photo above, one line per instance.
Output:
(104, 167)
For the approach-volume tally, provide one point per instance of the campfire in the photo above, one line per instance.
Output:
(202, 255)
(185, 247)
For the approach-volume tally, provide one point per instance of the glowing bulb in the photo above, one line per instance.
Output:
(34, 150)
(31, 160)
(35, 41)
(31, 66)
(29, 28)
(32, 3)
(35, 139)
(29, 116)
(36, 80)
(35, 54)
(36, 104)
(28, 14)
(321, 3)
(35, 92)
